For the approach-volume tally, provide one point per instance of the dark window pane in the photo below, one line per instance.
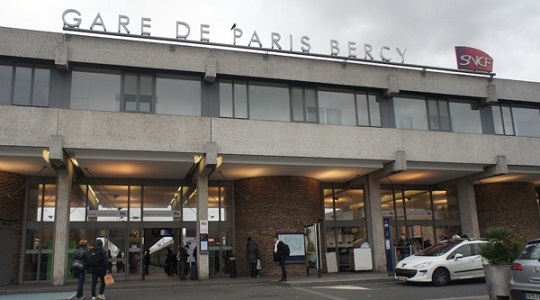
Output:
(130, 92)
(311, 104)
(240, 99)
(6, 75)
(23, 81)
(297, 103)
(269, 102)
(464, 118)
(497, 119)
(40, 97)
(507, 121)
(362, 111)
(433, 115)
(527, 121)
(337, 107)
(95, 91)
(443, 115)
(178, 96)
(374, 111)
(410, 113)
(225, 99)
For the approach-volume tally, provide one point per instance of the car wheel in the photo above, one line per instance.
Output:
(440, 277)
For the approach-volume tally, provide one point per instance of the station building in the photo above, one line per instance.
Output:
(142, 142)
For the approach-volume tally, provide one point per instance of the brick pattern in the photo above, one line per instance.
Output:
(12, 193)
(512, 204)
(269, 205)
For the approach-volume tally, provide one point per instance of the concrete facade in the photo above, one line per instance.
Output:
(417, 158)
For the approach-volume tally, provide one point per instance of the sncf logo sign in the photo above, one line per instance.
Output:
(473, 59)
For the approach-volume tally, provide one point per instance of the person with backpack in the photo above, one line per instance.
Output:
(97, 264)
(281, 251)
(81, 256)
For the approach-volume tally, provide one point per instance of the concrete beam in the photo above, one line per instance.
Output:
(210, 72)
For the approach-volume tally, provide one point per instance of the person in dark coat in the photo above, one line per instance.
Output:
(182, 257)
(279, 256)
(252, 253)
(81, 255)
(146, 261)
(100, 270)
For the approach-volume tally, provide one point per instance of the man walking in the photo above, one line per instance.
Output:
(97, 262)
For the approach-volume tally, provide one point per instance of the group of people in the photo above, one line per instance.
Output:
(83, 255)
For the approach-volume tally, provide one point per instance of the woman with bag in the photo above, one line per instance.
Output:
(79, 266)
(252, 250)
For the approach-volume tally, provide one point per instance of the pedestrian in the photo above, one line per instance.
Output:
(279, 256)
(182, 261)
(98, 262)
(252, 253)
(120, 267)
(404, 247)
(81, 255)
(146, 261)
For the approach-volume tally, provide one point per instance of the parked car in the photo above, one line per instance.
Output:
(525, 281)
(448, 260)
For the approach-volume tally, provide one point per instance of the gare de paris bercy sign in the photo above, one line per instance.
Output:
(72, 19)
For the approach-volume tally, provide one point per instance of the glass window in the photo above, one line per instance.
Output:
(418, 205)
(107, 203)
(465, 117)
(507, 120)
(336, 107)
(158, 203)
(527, 121)
(233, 99)
(77, 204)
(130, 92)
(269, 102)
(497, 119)
(439, 120)
(138, 92)
(445, 204)
(23, 86)
(40, 95)
(6, 75)
(367, 109)
(95, 91)
(410, 113)
(304, 104)
(177, 95)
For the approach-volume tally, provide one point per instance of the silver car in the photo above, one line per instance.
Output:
(525, 282)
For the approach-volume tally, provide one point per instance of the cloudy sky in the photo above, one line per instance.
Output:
(428, 29)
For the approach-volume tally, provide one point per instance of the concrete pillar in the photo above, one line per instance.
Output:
(202, 215)
(375, 223)
(61, 223)
(467, 209)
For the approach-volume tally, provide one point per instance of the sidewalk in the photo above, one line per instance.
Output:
(45, 291)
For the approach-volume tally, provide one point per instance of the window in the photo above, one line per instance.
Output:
(138, 93)
(367, 109)
(465, 117)
(24, 84)
(337, 107)
(439, 119)
(410, 113)
(269, 101)
(95, 90)
(303, 104)
(233, 99)
(178, 95)
(513, 119)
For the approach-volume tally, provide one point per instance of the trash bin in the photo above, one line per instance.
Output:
(232, 266)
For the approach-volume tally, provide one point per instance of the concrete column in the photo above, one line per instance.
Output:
(61, 224)
(467, 209)
(375, 223)
(202, 215)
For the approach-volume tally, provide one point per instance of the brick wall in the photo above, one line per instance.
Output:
(269, 205)
(11, 212)
(512, 204)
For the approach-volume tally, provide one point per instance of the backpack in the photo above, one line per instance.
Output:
(94, 260)
(287, 249)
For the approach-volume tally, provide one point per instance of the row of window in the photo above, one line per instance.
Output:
(114, 90)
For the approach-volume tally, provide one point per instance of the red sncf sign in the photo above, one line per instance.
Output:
(473, 59)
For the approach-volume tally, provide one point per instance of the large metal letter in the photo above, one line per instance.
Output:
(402, 54)
(77, 20)
(98, 21)
(145, 25)
(123, 21)
(255, 38)
(275, 40)
(204, 31)
(334, 46)
(305, 41)
(352, 48)
(237, 32)
(367, 51)
(182, 36)
(382, 55)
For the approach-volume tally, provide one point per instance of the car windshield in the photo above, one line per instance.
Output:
(439, 249)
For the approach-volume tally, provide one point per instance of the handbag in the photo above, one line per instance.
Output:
(109, 280)
(258, 264)
(77, 265)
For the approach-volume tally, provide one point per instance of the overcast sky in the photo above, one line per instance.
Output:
(428, 29)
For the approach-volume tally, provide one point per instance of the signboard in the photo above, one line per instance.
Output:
(107, 213)
(473, 59)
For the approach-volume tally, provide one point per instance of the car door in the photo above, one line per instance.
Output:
(465, 262)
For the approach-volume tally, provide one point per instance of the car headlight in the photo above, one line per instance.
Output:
(423, 265)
